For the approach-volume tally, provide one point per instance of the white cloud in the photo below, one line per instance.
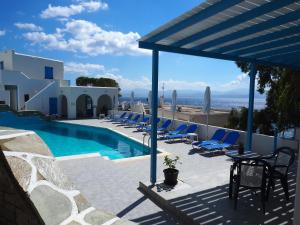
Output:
(88, 38)
(28, 26)
(241, 81)
(73, 9)
(83, 68)
(2, 32)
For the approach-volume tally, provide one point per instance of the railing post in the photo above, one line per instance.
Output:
(252, 75)
(155, 62)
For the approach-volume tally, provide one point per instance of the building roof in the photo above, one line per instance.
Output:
(259, 31)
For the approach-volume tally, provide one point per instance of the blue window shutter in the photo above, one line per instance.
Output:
(48, 72)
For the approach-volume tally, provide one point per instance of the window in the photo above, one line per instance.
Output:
(1, 65)
(48, 72)
(26, 97)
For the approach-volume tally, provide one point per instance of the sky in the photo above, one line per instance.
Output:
(99, 39)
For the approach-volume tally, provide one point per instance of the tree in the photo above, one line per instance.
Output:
(283, 95)
(97, 82)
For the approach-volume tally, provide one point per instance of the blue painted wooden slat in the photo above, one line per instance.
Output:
(257, 40)
(213, 55)
(236, 20)
(289, 17)
(280, 51)
(291, 57)
(209, 11)
(269, 45)
(153, 164)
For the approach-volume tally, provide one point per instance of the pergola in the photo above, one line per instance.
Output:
(254, 31)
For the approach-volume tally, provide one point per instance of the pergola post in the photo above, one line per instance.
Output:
(252, 75)
(155, 63)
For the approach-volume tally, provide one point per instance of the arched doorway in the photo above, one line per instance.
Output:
(104, 104)
(84, 106)
(63, 106)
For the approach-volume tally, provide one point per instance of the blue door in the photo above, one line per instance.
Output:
(52, 106)
(48, 72)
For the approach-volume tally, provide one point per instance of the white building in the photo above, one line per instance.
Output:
(35, 83)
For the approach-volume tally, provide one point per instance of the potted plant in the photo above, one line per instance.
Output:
(171, 173)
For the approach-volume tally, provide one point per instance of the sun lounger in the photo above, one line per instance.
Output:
(126, 118)
(229, 141)
(141, 125)
(215, 139)
(191, 129)
(122, 116)
(162, 129)
(134, 121)
(178, 130)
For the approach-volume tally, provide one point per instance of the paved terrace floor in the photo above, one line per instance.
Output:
(112, 185)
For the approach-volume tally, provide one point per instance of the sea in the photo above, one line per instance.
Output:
(217, 102)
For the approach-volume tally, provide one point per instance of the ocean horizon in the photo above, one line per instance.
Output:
(217, 102)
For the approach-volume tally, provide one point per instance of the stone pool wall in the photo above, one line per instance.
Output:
(16, 207)
(42, 193)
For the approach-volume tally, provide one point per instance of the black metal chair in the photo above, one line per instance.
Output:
(253, 175)
(280, 162)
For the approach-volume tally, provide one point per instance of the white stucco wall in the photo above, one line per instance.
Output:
(23, 83)
(6, 57)
(72, 93)
(40, 101)
(5, 97)
(32, 66)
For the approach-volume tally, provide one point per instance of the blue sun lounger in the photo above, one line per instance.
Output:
(127, 118)
(122, 116)
(134, 121)
(229, 141)
(191, 129)
(215, 139)
(178, 130)
(162, 128)
(142, 124)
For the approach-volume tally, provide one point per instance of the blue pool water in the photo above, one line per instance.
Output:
(65, 139)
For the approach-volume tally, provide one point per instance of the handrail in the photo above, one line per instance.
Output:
(37, 94)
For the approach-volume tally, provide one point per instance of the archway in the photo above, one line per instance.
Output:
(84, 106)
(104, 104)
(63, 106)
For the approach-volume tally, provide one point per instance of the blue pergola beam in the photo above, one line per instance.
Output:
(236, 20)
(289, 17)
(254, 41)
(209, 11)
(213, 55)
(252, 75)
(153, 164)
(269, 45)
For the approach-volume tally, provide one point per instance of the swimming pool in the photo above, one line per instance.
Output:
(66, 139)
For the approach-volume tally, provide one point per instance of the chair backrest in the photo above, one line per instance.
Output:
(136, 118)
(218, 135)
(130, 116)
(123, 114)
(192, 128)
(232, 137)
(157, 120)
(180, 128)
(166, 124)
(252, 174)
(284, 158)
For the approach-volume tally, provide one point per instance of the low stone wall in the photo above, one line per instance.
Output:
(16, 207)
(33, 189)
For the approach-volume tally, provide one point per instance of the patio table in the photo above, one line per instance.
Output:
(234, 154)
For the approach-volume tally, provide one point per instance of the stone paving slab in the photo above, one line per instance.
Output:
(112, 185)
